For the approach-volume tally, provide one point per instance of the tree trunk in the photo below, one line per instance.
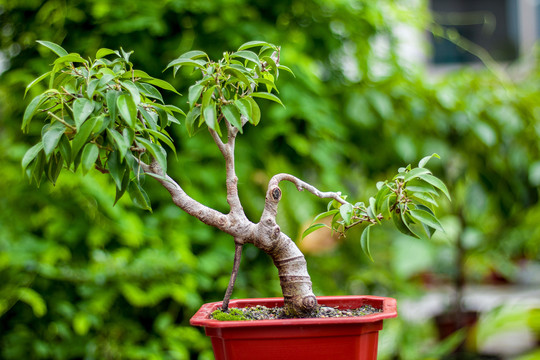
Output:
(292, 269)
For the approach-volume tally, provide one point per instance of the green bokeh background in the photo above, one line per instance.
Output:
(81, 279)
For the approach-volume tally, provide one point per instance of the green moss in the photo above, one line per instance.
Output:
(231, 315)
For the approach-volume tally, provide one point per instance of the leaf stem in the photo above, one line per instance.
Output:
(62, 121)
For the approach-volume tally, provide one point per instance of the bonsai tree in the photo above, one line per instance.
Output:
(104, 114)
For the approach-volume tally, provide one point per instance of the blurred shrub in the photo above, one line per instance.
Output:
(84, 279)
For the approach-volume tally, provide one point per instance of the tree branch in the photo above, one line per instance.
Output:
(234, 273)
(273, 194)
(191, 206)
(227, 150)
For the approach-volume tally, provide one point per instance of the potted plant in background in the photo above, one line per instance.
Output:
(102, 113)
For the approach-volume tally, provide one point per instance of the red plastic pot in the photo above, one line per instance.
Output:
(349, 338)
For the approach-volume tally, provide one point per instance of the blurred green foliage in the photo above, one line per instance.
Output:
(83, 279)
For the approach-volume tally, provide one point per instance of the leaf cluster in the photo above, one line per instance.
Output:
(99, 113)
(227, 88)
(103, 113)
(408, 200)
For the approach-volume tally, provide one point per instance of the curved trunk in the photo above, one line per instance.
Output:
(292, 269)
(294, 279)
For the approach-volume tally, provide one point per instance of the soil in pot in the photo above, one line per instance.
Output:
(261, 312)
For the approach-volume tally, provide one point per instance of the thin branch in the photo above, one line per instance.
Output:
(232, 280)
(227, 150)
(221, 146)
(273, 195)
(62, 121)
(302, 185)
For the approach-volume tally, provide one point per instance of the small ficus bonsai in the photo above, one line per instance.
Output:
(102, 113)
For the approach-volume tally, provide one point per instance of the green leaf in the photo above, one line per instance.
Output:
(238, 74)
(232, 115)
(57, 49)
(51, 137)
(122, 189)
(191, 117)
(139, 196)
(34, 299)
(425, 197)
(172, 108)
(149, 91)
(105, 79)
(400, 224)
(207, 96)
(420, 186)
(270, 63)
(414, 173)
(312, 228)
(326, 214)
(163, 137)
(255, 111)
(437, 183)
(210, 117)
(111, 96)
(31, 109)
(102, 122)
(283, 67)
(82, 108)
(244, 106)
(255, 43)
(82, 135)
(37, 80)
(31, 154)
(104, 52)
(127, 109)
(364, 241)
(172, 119)
(133, 90)
(424, 161)
(54, 168)
(381, 197)
(426, 218)
(162, 84)
(409, 222)
(267, 96)
(163, 114)
(194, 94)
(120, 141)
(156, 151)
(91, 89)
(137, 74)
(116, 168)
(65, 150)
(38, 168)
(151, 117)
(373, 207)
(70, 58)
(428, 229)
(81, 323)
(269, 84)
(186, 62)
(193, 54)
(248, 55)
(90, 154)
(346, 212)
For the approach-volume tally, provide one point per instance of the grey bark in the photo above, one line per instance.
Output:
(266, 234)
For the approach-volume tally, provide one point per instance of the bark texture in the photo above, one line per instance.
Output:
(266, 234)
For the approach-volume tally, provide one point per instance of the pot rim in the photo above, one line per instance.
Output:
(386, 304)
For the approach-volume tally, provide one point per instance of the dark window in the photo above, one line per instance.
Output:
(491, 24)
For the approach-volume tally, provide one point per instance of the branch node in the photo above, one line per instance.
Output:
(276, 193)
